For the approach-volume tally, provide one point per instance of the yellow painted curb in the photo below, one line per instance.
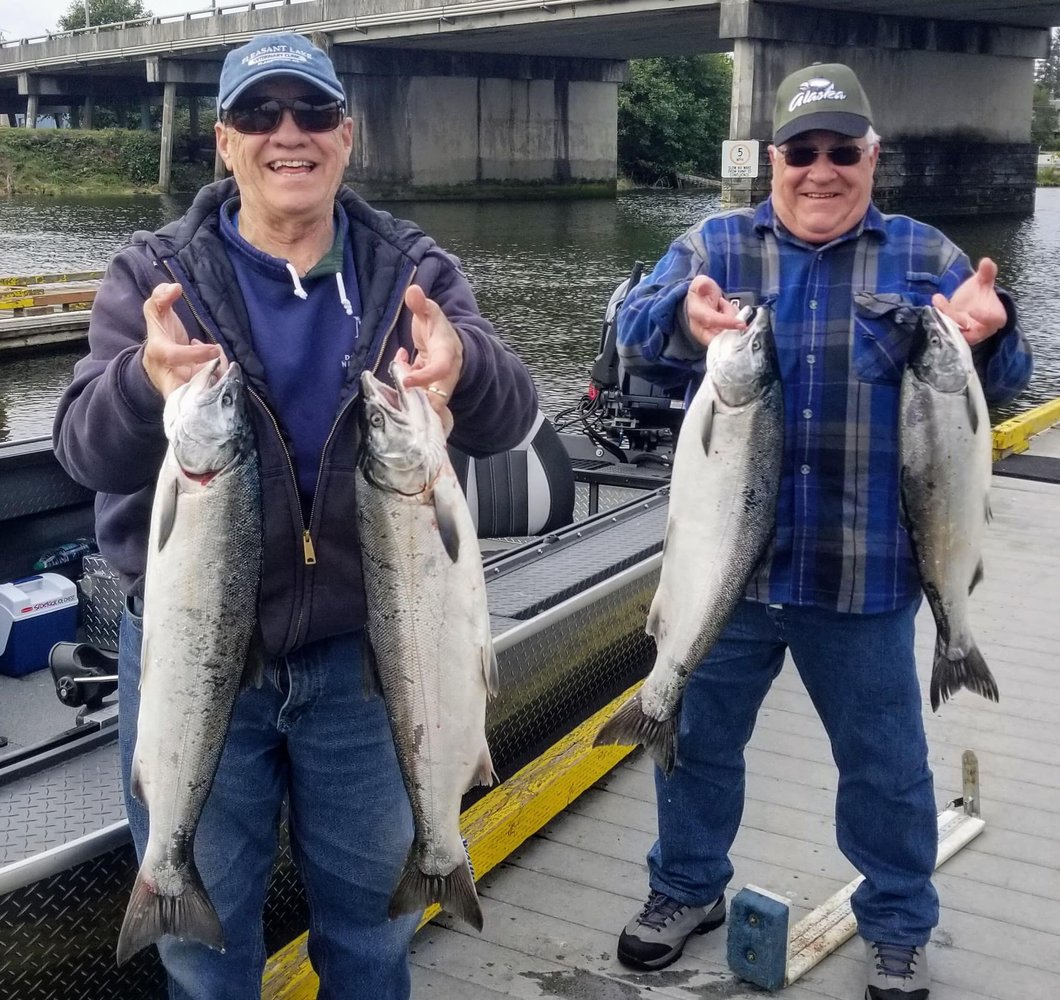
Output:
(494, 827)
(1013, 436)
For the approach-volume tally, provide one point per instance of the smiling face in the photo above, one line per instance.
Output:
(287, 176)
(822, 201)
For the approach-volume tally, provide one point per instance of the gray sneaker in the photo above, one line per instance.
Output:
(656, 936)
(897, 972)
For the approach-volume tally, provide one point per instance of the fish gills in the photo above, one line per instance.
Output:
(200, 615)
(945, 482)
(721, 518)
(428, 629)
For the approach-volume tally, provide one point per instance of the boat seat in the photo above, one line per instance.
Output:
(526, 491)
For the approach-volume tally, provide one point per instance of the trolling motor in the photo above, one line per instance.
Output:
(83, 674)
(627, 416)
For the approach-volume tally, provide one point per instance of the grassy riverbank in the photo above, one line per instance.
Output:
(92, 162)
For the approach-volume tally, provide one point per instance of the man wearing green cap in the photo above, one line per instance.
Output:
(839, 587)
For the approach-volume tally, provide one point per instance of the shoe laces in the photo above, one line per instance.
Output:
(896, 961)
(659, 910)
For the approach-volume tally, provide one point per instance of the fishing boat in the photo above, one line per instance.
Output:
(572, 553)
(571, 538)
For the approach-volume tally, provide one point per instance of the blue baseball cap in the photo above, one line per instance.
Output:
(276, 55)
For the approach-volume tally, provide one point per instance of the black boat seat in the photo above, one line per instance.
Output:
(526, 491)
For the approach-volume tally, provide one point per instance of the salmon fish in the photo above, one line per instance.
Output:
(946, 457)
(428, 633)
(721, 518)
(200, 614)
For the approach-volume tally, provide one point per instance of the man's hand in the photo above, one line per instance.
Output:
(169, 358)
(708, 311)
(975, 306)
(439, 349)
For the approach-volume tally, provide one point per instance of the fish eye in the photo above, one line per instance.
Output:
(226, 399)
(376, 419)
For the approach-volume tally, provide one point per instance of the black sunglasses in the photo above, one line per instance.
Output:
(256, 119)
(803, 156)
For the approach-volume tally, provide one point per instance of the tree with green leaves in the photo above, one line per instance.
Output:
(673, 115)
(101, 12)
(1045, 118)
(1047, 70)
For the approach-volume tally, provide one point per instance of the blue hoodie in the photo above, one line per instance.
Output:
(108, 428)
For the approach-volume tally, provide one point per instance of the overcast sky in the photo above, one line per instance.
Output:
(29, 18)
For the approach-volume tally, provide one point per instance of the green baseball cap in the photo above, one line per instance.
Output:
(822, 96)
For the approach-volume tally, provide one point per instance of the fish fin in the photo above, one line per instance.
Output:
(977, 576)
(455, 892)
(135, 785)
(485, 774)
(167, 514)
(190, 916)
(370, 684)
(973, 413)
(708, 424)
(445, 515)
(489, 670)
(630, 726)
(254, 668)
(949, 676)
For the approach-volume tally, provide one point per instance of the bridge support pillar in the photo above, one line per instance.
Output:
(32, 106)
(467, 125)
(88, 112)
(951, 100)
(165, 156)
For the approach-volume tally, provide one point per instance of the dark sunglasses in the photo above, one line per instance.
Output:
(803, 156)
(256, 119)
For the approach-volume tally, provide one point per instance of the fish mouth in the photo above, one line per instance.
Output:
(207, 381)
(393, 398)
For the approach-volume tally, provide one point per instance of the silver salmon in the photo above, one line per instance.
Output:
(721, 518)
(200, 614)
(946, 457)
(428, 633)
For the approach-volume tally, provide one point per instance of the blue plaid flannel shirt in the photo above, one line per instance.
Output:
(842, 346)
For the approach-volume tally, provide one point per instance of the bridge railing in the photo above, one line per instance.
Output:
(218, 9)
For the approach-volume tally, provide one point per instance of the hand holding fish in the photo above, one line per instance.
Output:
(170, 358)
(975, 306)
(439, 350)
(708, 311)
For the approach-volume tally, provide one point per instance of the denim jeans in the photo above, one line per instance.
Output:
(309, 734)
(860, 673)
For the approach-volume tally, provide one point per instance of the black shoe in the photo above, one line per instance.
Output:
(656, 936)
(897, 972)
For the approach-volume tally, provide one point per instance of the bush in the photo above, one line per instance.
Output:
(673, 115)
(82, 161)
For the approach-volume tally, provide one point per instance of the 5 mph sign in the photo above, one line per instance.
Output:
(739, 158)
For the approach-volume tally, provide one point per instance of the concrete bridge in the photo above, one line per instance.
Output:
(466, 97)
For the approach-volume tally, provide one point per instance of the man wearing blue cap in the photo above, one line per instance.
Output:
(839, 587)
(286, 271)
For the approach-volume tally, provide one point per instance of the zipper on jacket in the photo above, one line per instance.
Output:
(308, 552)
(306, 539)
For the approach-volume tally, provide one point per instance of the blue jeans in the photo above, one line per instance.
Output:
(309, 734)
(860, 673)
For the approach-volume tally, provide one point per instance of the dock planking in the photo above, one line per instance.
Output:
(553, 909)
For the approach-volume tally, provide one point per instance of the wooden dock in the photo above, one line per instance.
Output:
(44, 310)
(553, 910)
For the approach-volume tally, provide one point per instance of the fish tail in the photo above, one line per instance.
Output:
(455, 892)
(630, 726)
(949, 676)
(190, 916)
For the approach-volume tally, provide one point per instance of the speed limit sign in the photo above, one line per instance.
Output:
(739, 158)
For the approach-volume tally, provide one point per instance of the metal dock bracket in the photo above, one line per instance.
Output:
(759, 947)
